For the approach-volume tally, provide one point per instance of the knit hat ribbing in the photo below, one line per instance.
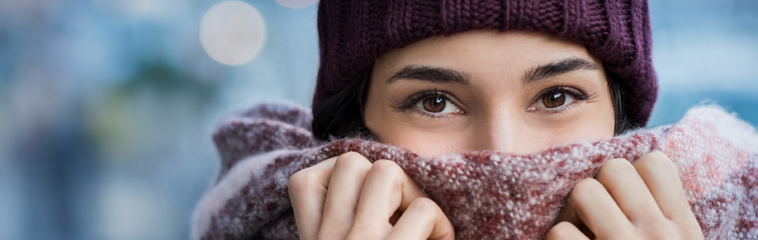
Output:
(354, 33)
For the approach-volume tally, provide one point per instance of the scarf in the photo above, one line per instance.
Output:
(485, 194)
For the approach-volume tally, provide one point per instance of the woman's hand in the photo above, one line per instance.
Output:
(625, 201)
(348, 197)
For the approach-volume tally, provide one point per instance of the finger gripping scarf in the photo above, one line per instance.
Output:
(485, 194)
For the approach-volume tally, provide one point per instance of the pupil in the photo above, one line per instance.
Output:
(554, 100)
(434, 104)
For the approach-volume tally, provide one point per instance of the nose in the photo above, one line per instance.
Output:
(498, 133)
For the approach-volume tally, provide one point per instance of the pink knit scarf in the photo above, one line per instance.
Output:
(486, 195)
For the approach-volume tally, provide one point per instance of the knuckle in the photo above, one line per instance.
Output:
(561, 229)
(614, 166)
(386, 168)
(657, 161)
(350, 156)
(300, 180)
(423, 204)
(657, 155)
(350, 160)
(618, 163)
(587, 187)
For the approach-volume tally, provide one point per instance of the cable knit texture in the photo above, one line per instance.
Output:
(486, 195)
(354, 33)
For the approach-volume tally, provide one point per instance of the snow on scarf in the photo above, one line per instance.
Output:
(486, 195)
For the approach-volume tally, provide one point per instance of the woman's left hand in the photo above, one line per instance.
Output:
(624, 201)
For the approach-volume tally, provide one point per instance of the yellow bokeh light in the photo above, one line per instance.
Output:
(232, 32)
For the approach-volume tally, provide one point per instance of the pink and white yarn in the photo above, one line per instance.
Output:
(486, 194)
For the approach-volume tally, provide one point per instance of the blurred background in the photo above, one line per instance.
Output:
(107, 106)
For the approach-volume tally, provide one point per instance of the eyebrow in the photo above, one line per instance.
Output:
(558, 68)
(444, 75)
(430, 74)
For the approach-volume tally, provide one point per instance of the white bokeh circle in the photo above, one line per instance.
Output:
(296, 4)
(232, 32)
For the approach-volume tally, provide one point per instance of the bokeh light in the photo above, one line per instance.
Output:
(232, 32)
(296, 4)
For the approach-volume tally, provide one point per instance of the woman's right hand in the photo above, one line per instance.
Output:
(644, 200)
(348, 197)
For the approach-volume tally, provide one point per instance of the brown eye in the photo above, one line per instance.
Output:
(434, 104)
(554, 100)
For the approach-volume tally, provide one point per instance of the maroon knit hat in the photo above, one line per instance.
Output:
(354, 33)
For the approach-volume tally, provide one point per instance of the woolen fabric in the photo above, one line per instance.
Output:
(354, 33)
(485, 194)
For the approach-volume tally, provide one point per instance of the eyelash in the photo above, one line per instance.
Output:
(577, 94)
(413, 100)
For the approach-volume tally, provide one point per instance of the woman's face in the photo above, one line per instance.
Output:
(516, 92)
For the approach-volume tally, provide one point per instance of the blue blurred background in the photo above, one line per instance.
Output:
(106, 106)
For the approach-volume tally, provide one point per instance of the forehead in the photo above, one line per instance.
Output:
(484, 51)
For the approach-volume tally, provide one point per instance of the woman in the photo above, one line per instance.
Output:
(515, 92)
(511, 91)
(449, 77)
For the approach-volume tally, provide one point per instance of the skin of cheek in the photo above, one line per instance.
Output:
(426, 144)
(589, 125)
(442, 141)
